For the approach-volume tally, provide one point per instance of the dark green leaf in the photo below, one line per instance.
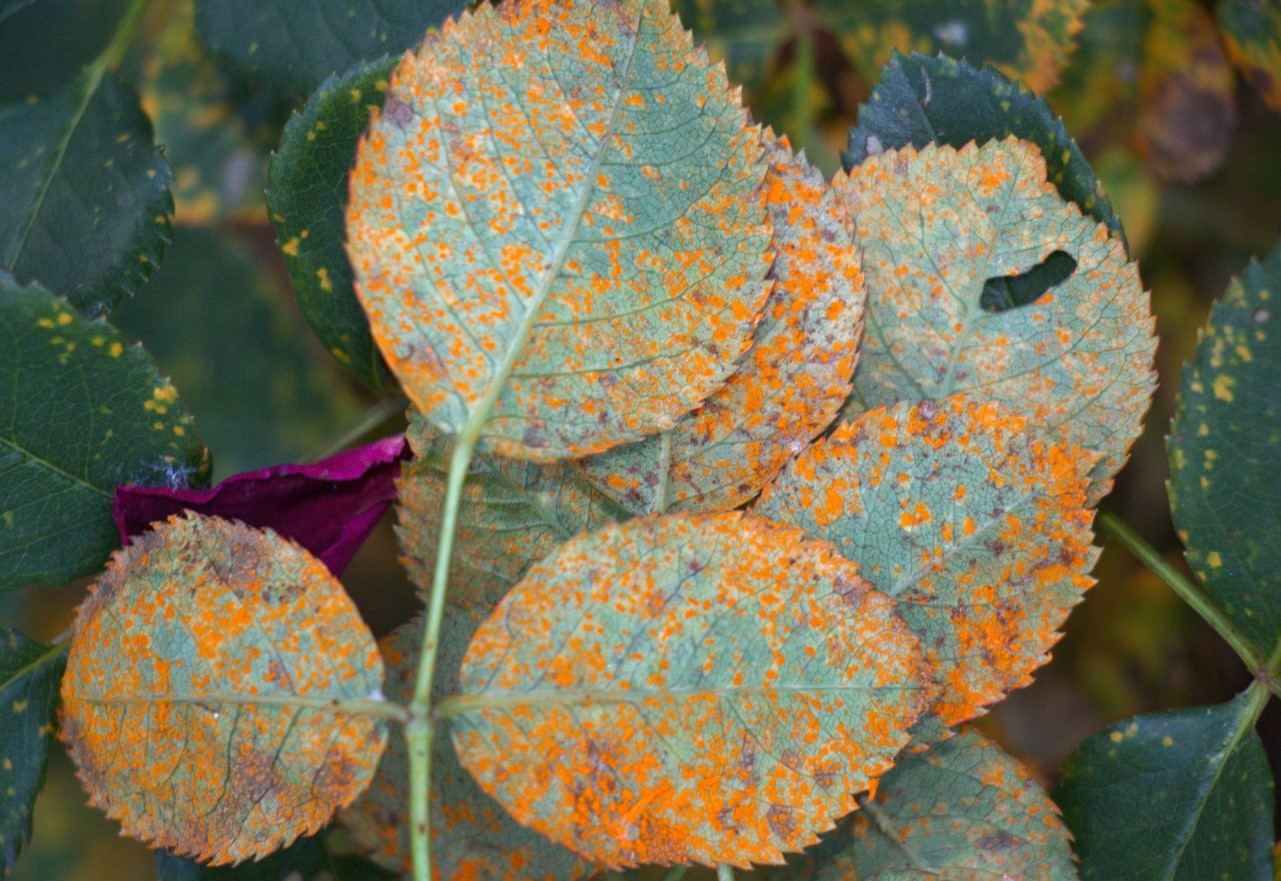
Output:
(295, 46)
(9, 7)
(84, 195)
(747, 34)
(1225, 487)
(82, 412)
(922, 100)
(219, 323)
(307, 197)
(1178, 796)
(29, 677)
(303, 860)
(354, 868)
(44, 45)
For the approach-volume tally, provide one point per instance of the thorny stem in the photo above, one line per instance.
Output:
(1189, 592)
(375, 415)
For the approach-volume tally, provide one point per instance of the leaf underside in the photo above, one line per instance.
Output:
(567, 194)
(706, 689)
(189, 625)
(790, 385)
(975, 528)
(933, 226)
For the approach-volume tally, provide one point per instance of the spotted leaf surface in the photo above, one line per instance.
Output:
(558, 211)
(1252, 32)
(513, 514)
(978, 531)
(791, 383)
(472, 836)
(959, 810)
(29, 676)
(1224, 492)
(934, 225)
(196, 699)
(703, 689)
(83, 411)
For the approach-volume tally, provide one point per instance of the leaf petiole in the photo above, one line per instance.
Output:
(724, 872)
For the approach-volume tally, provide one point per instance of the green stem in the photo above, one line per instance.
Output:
(111, 56)
(1260, 693)
(803, 90)
(375, 415)
(664, 467)
(675, 873)
(1181, 585)
(724, 872)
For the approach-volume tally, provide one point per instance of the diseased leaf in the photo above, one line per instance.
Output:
(328, 507)
(29, 676)
(1225, 492)
(746, 34)
(1252, 32)
(922, 100)
(197, 700)
(934, 226)
(294, 47)
(82, 413)
(956, 810)
(307, 194)
(790, 385)
(708, 689)
(1195, 782)
(973, 526)
(512, 515)
(84, 200)
(472, 836)
(558, 209)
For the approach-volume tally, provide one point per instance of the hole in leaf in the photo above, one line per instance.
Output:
(1011, 291)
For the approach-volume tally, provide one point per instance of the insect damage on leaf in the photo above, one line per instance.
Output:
(707, 689)
(934, 225)
(792, 382)
(558, 211)
(176, 701)
(976, 529)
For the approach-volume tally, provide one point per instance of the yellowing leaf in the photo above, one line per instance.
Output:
(934, 226)
(709, 689)
(793, 380)
(558, 212)
(197, 702)
(977, 531)
(472, 836)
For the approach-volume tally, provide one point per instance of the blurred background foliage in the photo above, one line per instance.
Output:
(1176, 103)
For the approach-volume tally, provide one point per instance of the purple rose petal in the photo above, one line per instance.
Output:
(329, 508)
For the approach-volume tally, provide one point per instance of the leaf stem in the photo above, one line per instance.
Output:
(1185, 588)
(803, 89)
(724, 872)
(375, 415)
(664, 466)
(675, 873)
(111, 56)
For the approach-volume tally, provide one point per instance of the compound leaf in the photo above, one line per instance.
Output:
(709, 689)
(512, 514)
(922, 100)
(1252, 32)
(1193, 784)
(790, 385)
(558, 213)
(293, 47)
(978, 531)
(307, 192)
(473, 837)
(84, 198)
(29, 677)
(83, 412)
(1224, 491)
(198, 700)
(934, 226)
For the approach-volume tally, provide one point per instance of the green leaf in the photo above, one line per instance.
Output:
(745, 34)
(472, 836)
(578, 271)
(922, 100)
(46, 44)
(84, 412)
(790, 385)
(29, 677)
(218, 320)
(294, 46)
(1224, 493)
(1077, 360)
(955, 810)
(1252, 32)
(84, 198)
(304, 860)
(9, 7)
(512, 514)
(204, 700)
(707, 689)
(1178, 796)
(306, 196)
(975, 528)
